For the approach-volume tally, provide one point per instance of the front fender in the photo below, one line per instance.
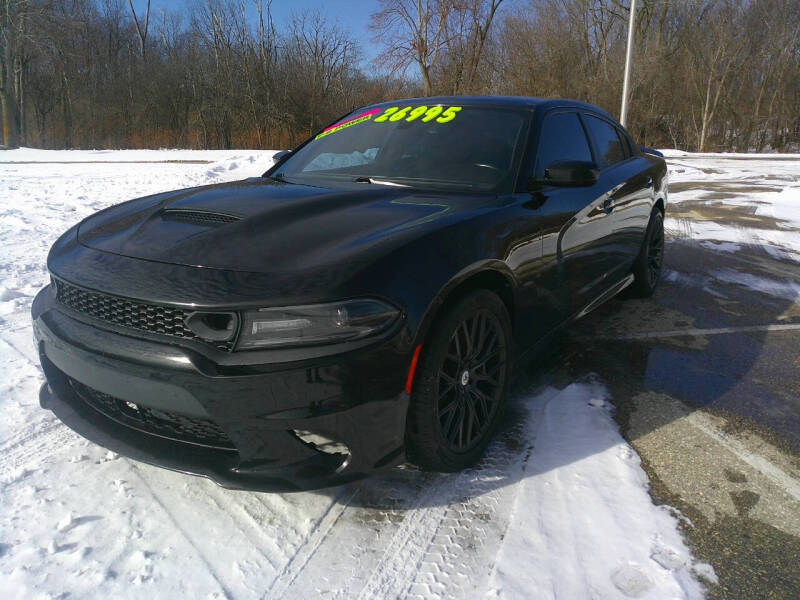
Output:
(491, 272)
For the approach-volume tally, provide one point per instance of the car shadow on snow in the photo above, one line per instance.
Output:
(632, 347)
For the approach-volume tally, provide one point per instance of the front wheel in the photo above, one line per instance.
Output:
(460, 385)
(647, 268)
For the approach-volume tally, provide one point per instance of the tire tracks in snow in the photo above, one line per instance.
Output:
(30, 361)
(402, 556)
(245, 529)
(28, 451)
(276, 550)
(319, 533)
(26, 436)
(440, 541)
(459, 549)
(184, 532)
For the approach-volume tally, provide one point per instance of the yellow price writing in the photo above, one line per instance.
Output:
(424, 113)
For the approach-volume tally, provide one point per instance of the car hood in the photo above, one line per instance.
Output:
(261, 225)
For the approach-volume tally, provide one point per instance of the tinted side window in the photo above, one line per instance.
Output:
(606, 140)
(627, 148)
(562, 138)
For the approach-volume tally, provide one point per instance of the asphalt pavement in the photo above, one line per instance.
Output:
(706, 384)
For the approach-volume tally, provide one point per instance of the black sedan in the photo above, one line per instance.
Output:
(357, 306)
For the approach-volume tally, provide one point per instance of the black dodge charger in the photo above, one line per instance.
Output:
(357, 306)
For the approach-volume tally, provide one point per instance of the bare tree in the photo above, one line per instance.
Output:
(714, 51)
(412, 32)
(11, 25)
(721, 74)
(320, 54)
(466, 32)
(141, 29)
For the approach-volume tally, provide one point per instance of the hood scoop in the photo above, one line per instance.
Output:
(259, 226)
(198, 217)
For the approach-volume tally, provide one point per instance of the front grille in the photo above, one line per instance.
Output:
(154, 421)
(198, 217)
(152, 318)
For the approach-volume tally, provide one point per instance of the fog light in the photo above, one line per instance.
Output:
(212, 326)
(321, 443)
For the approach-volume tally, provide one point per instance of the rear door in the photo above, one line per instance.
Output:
(625, 174)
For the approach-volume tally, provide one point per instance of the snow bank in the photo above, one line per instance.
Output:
(19, 155)
(673, 153)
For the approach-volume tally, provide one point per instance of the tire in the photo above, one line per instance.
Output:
(647, 267)
(460, 385)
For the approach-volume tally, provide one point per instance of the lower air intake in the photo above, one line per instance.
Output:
(182, 428)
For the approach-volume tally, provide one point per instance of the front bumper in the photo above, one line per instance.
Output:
(235, 424)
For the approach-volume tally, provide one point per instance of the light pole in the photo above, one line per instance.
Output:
(623, 113)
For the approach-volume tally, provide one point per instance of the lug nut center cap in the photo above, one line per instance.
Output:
(465, 378)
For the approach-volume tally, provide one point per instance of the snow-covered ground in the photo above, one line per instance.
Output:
(558, 509)
(765, 186)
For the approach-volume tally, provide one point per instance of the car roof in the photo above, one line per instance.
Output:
(524, 102)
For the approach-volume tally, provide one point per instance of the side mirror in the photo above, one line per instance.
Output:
(652, 151)
(570, 173)
(279, 156)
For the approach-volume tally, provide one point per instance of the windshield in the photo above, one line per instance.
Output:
(438, 146)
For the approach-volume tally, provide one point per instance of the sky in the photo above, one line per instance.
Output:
(352, 15)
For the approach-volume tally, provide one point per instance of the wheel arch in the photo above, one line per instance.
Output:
(493, 276)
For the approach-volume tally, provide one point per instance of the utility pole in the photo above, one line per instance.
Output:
(623, 113)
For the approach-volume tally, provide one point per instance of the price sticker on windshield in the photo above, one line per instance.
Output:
(366, 116)
(426, 114)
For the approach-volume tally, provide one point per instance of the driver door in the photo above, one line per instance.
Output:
(576, 228)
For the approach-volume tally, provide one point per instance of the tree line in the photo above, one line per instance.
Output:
(709, 75)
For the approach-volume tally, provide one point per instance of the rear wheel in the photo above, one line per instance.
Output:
(647, 268)
(460, 385)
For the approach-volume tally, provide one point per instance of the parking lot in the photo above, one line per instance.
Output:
(705, 376)
(702, 380)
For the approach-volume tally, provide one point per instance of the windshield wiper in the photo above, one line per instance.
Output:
(364, 179)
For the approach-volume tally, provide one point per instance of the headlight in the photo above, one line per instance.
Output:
(315, 324)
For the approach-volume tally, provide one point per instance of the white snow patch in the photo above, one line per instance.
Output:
(783, 244)
(583, 524)
(692, 279)
(66, 523)
(767, 184)
(783, 206)
(673, 153)
(706, 571)
(787, 288)
(721, 246)
(36, 155)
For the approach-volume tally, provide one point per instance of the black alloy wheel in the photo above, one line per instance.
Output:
(647, 268)
(655, 254)
(460, 385)
(471, 378)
